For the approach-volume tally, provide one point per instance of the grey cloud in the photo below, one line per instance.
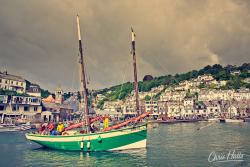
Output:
(38, 38)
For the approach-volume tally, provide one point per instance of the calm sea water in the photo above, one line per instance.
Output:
(168, 145)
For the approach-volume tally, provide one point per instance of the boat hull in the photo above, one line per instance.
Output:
(247, 120)
(213, 120)
(129, 138)
(234, 120)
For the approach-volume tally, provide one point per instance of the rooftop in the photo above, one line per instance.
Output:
(5, 75)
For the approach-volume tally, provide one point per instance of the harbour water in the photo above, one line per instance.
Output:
(183, 144)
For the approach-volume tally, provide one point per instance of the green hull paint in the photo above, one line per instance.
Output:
(111, 141)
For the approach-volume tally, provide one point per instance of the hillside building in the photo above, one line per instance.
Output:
(12, 82)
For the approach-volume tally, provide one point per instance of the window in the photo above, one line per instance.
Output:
(26, 108)
(35, 108)
(21, 84)
(34, 100)
(0, 80)
(14, 108)
(1, 108)
(11, 82)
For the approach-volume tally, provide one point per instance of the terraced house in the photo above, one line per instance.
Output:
(19, 107)
(12, 82)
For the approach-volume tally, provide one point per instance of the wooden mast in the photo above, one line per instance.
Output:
(83, 79)
(135, 73)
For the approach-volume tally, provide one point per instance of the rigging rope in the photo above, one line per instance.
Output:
(123, 78)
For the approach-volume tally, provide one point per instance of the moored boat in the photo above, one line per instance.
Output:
(23, 127)
(7, 128)
(213, 120)
(222, 120)
(234, 120)
(247, 119)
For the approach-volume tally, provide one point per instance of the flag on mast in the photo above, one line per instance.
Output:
(133, 41)
(78, 28)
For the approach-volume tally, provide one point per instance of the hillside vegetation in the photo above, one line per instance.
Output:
(217, 71)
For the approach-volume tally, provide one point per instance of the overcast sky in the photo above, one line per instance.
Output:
(38, 39)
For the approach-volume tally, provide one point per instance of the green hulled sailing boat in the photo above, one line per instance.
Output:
(117, 137)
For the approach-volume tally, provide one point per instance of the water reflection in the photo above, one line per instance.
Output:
(185, 145)
(46, 157)
(168, 145)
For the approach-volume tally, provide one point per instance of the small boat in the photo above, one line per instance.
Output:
(213, 120)
(222, 120)
(173, 121)
(234, 120)
(7, 128)
(8, 125)
(247, 119)
(23, 127)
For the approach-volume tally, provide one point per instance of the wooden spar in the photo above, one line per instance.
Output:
(83, 79)
(78, 125)
(131, 120)
(135, 73)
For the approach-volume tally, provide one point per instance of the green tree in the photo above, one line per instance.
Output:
(147, 98)
(234, 83)
(45, 93)
(202, 85)
(212, 86)
(101, 103)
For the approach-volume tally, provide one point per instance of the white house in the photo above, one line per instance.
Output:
(175, 109)
(212, 108)
(34, 90)
(12, 82)
(188, 102)
(205, 78)
(20, 107)
(151, 106)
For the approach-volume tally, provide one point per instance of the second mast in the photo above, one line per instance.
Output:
(136, 88)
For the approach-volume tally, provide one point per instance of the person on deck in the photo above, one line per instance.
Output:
(93, 128)
(51, 127)
(60, 128)
(66, 124)
(42, 129)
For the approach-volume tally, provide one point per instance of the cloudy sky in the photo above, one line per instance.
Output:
(38, 39)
